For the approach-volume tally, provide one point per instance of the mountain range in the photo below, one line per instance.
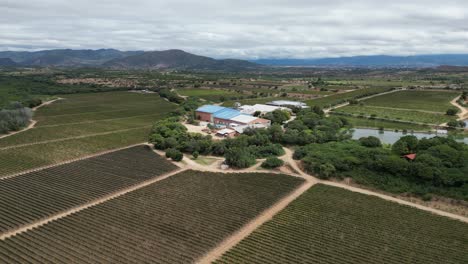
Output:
(178, 59)
(111, 58)
(422, 61)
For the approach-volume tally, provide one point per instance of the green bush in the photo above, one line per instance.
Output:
(174, 154)
(272, 162)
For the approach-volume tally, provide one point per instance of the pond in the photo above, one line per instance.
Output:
(390, 137)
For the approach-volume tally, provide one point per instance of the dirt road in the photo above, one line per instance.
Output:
(463, 111)
(33, 122)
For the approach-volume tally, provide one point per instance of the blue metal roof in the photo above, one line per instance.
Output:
(211, 109)
(227, 113)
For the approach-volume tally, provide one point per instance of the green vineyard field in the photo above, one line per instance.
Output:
(36, 195)
(79, 125)
(176, 220)
(332, 225)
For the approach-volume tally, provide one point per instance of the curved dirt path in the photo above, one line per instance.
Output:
(98, 201)
(32, 122)
(464, 112)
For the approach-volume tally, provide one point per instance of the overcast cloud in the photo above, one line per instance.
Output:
(239, 28)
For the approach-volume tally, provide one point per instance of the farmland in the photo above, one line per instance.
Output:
(260, 100)
(373, 123)
(36, 195)
(331, 225)
(173, 221)
(82, 124)
(396, 114)
(343, 97)
(435, 101)
(208, 94)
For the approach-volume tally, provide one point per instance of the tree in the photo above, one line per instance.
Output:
(452, 111)
(370, 142)
(405, 145)
(272, 162)
(239, 158)
(195, 154)
(326, 170)
(278, 116)
(174, 154)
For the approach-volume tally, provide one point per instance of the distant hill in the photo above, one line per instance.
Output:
(7, 62)
(374, 61)
(65, 57)
(178, 59)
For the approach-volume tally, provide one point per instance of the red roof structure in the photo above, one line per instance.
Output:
(410, 156)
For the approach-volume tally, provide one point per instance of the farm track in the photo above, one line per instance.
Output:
(360, 99)
(33, 122)
(68, 161)
(88, 205)
(464, 112)
(70, 138)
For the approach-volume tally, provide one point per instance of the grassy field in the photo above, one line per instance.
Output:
(342, 97)
(36, 195)
(396, 114)
(372, 123)
(436, 101)
(82, 124)
(175, 220)
(208, 94)
(332, 225)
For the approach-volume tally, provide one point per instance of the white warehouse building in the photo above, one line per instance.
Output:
(262, 108)
(286, 103)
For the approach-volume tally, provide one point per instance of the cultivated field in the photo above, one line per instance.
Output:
(373, 123)
(208, 94)
(176, 220)
(79, 125)
(342, 97)
(332, 225)
(434, 101)
(396, 114)
(260, 100)
(37, 195)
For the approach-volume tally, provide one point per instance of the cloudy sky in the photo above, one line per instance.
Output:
(239, 28)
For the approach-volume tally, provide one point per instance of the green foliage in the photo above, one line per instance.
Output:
(440, 167)
(14, 118)
(370, 142)
(272, 162)
(452, 111)
(171, 96)
(278, 116)
(239, 158)
(174, 154)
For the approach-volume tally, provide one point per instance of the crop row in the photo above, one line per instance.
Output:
(37, 195)
(331, 225)
(173, 221)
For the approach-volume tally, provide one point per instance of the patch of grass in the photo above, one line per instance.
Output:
(333, 225)
(204, 160)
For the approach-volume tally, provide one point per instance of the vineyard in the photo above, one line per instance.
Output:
(332, 225)
(176, 220)
(340, 98)
(40, 194)
(79, 125)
